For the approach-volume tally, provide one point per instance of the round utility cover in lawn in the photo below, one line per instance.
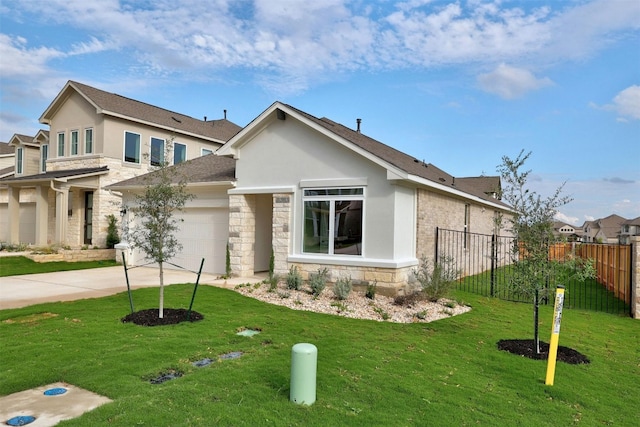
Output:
(55, 391)
(21, 420)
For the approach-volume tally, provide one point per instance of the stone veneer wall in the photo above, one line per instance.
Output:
(281, 231)
(390, 281)
(242, 232)
(74, 255)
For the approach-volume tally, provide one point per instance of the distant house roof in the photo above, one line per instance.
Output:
(6, 149)
(409, 165)
(610, 226)
(489, 185)
(65, 174)
(119, 106)
(634, 221)
(203, 169)
(21, 139)
(7, 172)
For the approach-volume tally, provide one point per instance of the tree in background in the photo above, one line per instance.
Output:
(531, 225)
(153, 227)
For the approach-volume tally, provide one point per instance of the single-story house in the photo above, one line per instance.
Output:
(320, 195)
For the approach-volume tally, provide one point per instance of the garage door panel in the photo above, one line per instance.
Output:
(203, 233)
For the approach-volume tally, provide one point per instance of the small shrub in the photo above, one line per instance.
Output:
(227, 265)
(409, 299)
(272, 264)
(342, 288)
(318, 281)
(112, 231)
(436, 279)
(273, 282)
(294, 279)
(339, 306)
(383, 314)
(371, 290)
(421, 315)
(284, 295)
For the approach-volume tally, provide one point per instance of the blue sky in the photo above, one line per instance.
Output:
(456, 83)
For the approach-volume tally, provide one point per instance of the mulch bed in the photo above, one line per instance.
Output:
(171, 316)
(526, 348)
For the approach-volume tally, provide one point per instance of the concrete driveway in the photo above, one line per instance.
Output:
(29, 289)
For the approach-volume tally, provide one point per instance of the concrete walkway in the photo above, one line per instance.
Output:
(29, 289)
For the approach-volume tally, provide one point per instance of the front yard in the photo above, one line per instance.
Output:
(443, 373)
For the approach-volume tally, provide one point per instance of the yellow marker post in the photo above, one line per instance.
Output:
(555, 335)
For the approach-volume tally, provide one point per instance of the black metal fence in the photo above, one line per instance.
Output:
(485, 262)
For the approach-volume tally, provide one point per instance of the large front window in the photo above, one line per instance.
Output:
(44, 155)
(333, 221)
(131, 147)
(157, 151)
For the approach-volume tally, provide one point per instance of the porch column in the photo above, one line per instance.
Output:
(13, 222)
(242, 233)
(42, 215)
(62, 214)
(281, 229)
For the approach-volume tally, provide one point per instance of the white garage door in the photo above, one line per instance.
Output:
(27, 223)
(203, 234)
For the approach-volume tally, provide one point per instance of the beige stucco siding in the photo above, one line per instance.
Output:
(290, 154)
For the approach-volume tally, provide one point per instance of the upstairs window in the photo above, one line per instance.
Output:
(131, 147)
(88, 141)
(157, 151)
(205, 151)
(179, 153)
(333, 221)
(19, 161)
(61, 144)
(44, 155)
(74, 142)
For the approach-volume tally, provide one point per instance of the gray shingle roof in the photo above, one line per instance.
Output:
(113, 104)
(476, 186)
(209, 168)
(66, 173)
(5, 149)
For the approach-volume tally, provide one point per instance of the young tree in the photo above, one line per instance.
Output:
(154, 224)
(531, 225)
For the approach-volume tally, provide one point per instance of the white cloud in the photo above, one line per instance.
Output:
(510, 82)
(559, 216)
(627, 103)
(18, 59)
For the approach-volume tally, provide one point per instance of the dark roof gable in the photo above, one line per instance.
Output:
(117, 105)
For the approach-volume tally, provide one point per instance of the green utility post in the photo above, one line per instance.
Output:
(304, 362)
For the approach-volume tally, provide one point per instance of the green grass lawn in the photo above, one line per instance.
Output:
(14, 265)
(446, 373)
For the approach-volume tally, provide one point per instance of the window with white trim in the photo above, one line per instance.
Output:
(74, 142)
(333, 221)
(131, 147)
(61, 144)
(157, 151)
(44, 155)
(88, 141)
(205, 151)
(19, 160)
(179, 153)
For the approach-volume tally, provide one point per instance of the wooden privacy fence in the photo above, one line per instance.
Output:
(613, 266)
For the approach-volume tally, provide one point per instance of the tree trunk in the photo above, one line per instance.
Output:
(161, 309)
(536, 333)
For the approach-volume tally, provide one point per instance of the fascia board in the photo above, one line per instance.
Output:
(137, 188)
(257, 124)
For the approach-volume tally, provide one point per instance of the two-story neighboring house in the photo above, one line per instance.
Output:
(95, 138)
(603, 230)
(567, 231)
(629, 228)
